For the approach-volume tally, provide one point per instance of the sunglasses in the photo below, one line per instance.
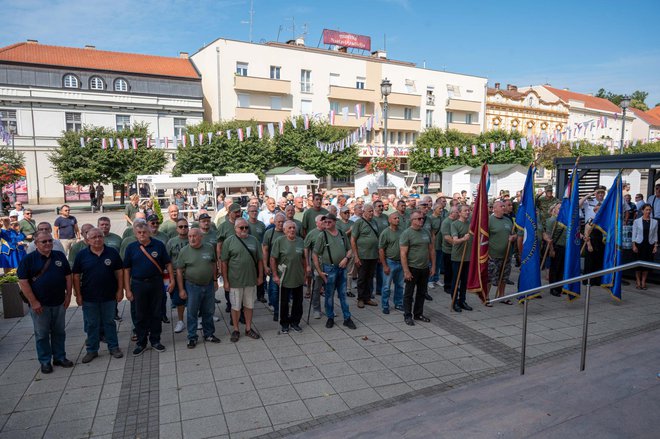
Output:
(46, 241)
(243, 227)
(182, 227)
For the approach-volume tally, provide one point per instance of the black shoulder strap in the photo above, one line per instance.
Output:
(327, 246)
(254, 258)
(370, 226)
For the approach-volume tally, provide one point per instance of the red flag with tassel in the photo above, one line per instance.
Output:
(478, 269)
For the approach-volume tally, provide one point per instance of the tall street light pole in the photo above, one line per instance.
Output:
(625, 103)
(385, 90)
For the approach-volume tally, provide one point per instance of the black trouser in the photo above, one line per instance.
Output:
(260, 291)
(365, 283)
(148, 295)
(446, 261)
(417, 285)
(593, 261)
(462, 282)
(296, 308)
(557, 267)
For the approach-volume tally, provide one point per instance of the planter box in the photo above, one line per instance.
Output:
(12, 304)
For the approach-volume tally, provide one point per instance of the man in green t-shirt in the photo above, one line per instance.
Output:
(416, 253)
(290, 212)
(380, 218)
(242, 271)
(555, 236)
(131, 209)
(79, 245)
(129, 230)
(446, 244)
(314, 278)
(289, 268)
(501, 235)
(364, 243)
(389, 254)
(331, 255)
(109, 239)
(174, 246)
(460, 257)
(438, 215)
(197, 275)
(308, 220)
(270, 236)
(345, 224)
(28, 225)
(225, 230)
(169, 225)
(257, 229)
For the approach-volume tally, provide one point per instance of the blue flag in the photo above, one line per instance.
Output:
(608, 221)
(530, 268)
(562, 216)
(569, 216)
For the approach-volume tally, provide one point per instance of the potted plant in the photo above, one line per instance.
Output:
(12, 303)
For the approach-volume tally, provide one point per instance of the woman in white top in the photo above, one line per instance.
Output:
(645, 242)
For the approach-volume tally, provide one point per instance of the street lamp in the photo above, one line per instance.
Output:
(385, 90)
(625, 103)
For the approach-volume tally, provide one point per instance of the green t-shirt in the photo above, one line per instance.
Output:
(162, 237)
(168, 228)
(428, 223)
(298, 226)
(404, 221)
(225, 230)
(198, 263)
(124, 244)
(366, 238)
(28, 228)
(174, 247)
(345, 226)
(309, 218)
(241, 267)
(291, 254)
(299, 215)
(127, 232)
(445, 229)
(74, 250)
(270, 237)
(389, 241)
(327, 244)
(417, 242)
(382, 221)
(210, 237)
(310, 239)
(458, 230)
(257, 230)
(558, 235)
(112, 241)
(130, 212)
(436, 223)
(499, 230)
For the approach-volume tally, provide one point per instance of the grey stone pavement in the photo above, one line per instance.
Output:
(303, 383)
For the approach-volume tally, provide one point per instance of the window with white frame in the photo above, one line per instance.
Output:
(275, 72)
(275, 103)
(243, 100)
(450, 117)
(359, 82)
(306, 106)
(123, 122)
(9, 121)
(71, 81)
(242, 68)
(305, 81)
(73, 121)
(180, 127)
(410, 86)
(335, 79)
(407, 113)
(429, 118)
(96, 83)
(453, 91)
(121, 85)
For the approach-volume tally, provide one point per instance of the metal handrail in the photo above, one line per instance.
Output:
(587, 277)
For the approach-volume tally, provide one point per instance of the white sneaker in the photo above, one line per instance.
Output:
(216, 318)
(179, 326)
(199, 323)
(317, 314)
(431, 285)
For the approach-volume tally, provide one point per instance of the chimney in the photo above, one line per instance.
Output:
(296, 42)
(89, 46)
(512, 87)
(342, 49)
(497, 86)
(33, 41)
(381, 54)
(183, 55)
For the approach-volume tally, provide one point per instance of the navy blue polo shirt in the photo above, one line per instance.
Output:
(97, 281)
(66, 226)
(50, 288)
(141, 266)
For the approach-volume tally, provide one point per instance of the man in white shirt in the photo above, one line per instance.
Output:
(654, 201)
(267, 216)
(18, 210)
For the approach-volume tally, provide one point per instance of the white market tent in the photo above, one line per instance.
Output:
(300, 182)
(455, 178)
(237, 184)
(372, 182)
(163, 187)
(508, 177)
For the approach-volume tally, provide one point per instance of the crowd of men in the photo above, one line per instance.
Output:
(389, 252)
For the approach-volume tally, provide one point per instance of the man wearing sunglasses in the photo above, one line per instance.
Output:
(45, 280)
(45, 227)
(28, 225)
(174, 246)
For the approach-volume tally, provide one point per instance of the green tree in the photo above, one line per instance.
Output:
(637, 98)
(11, 162)
(641, 148)
(74, 164)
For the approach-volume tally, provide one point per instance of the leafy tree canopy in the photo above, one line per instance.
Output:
(11, 162)
(637, 98)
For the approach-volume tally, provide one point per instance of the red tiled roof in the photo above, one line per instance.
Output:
(589, 101)
(41, 54)
(655, 112)
(646, 116)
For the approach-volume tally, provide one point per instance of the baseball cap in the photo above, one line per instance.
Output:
(152, 217)
(548, 188)
(204, 216)
(234, 207)
(330, 216)
(345, 209)
(601, 188)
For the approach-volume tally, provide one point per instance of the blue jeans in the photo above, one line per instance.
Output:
(273, 295)
(100, 316)
(336, 281)
(200, 298)
(49, 333)
(439, 267)
(395, 277)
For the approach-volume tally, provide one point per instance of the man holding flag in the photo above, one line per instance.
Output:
(530, 269)
(569, 217)
(477, 277)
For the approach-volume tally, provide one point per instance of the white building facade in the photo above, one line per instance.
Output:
(45, 90)
(274, 81)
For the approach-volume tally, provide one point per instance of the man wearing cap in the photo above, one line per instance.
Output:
(204, 226)
(310, 214)
(317, 282)
(98, 285)
(332, 252)
(593, 260)
(197, 275)
(242, 270)
(364, 243)
(288, 253)
(174, 246)
(270, 236)
(389, 253)
(544, 202)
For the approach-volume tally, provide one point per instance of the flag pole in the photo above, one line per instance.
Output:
(504, 262)
(547, 247)
(458, 277)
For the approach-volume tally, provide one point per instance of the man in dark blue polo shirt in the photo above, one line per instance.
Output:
(144, 262)
(98, 282)
(45, 279)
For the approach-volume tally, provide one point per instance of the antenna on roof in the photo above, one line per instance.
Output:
(279, 31)
(292, 27)
(251, 21)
